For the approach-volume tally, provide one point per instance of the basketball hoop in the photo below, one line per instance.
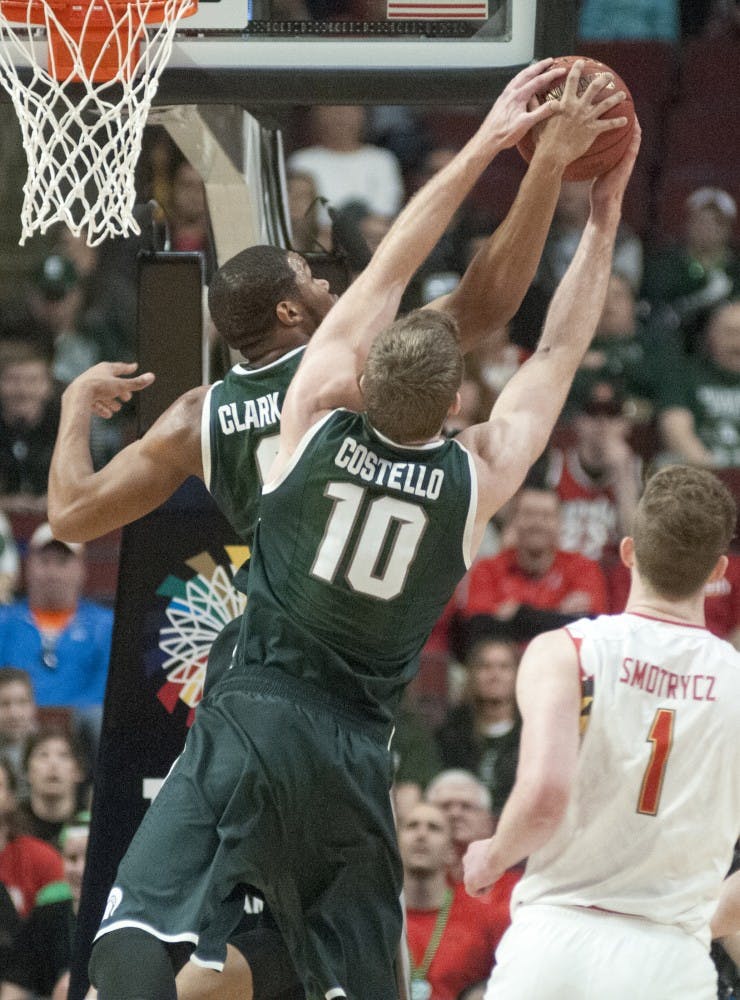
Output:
(82, 143)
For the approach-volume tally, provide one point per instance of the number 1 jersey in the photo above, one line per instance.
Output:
(655, 809)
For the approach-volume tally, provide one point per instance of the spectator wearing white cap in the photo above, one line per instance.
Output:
(685, 282)
(61, 639)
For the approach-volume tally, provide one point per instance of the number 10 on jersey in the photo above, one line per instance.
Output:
(384, 542)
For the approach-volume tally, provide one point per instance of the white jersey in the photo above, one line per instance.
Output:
(655, 807)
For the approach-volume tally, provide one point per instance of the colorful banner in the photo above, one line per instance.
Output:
(174, 596)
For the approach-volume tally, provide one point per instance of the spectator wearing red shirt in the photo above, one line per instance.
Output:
(26, 863)
(466, 803)
(534, 572)
(452, 937)
(598, 480)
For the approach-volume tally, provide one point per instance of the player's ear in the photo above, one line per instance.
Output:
(288, 312)
(455, 406)
(627, 551)
(719, 570)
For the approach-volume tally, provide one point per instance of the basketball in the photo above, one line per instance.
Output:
(609, 147)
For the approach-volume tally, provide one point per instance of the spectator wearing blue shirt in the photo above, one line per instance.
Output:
(62, 640)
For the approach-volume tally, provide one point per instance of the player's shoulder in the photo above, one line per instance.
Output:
(189, 402)
(601, 627)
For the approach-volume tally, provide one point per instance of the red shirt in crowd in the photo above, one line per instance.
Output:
(588, 512)
(26, 866)
(472, 933)
(500, 580)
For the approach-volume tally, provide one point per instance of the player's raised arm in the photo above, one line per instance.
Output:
(549, 697)
(499, 275)
(525, 413)
(328, 374)
(85, 504)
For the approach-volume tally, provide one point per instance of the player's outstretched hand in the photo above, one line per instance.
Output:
(569, 134)
(511, 116)
(478, 874)
(105, 387)
(607, 191)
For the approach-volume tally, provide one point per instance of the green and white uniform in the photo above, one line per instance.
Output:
(240, 428)
(240, 431)
(285, 776)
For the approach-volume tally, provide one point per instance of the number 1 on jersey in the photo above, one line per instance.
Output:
(661, 736)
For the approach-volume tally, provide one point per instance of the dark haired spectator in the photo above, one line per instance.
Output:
(29, 416)
(534, 571)
(372, 226)
(18, 718)
(56, 771)
(700, 404)
(27, 864)
(599, 478)
(683, 283)
(481, 734)
(61, 639)
(42, 949)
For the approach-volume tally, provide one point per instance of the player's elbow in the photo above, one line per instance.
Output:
(65, 522)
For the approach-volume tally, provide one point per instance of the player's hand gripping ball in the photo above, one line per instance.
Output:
(609, 147)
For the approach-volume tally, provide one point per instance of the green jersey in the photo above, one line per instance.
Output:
(240, 436)
(360, 545)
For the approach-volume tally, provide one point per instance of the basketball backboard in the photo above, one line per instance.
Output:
(266, 53)
(362, 51)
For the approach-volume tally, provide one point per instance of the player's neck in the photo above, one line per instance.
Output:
(425, 892)
(281, 344)
(687, 611)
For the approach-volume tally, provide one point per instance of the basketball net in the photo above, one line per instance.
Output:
(82, 142)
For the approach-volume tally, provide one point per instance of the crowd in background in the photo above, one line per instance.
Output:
(661, 382)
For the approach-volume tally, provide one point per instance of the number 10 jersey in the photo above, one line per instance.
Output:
(360, 544)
